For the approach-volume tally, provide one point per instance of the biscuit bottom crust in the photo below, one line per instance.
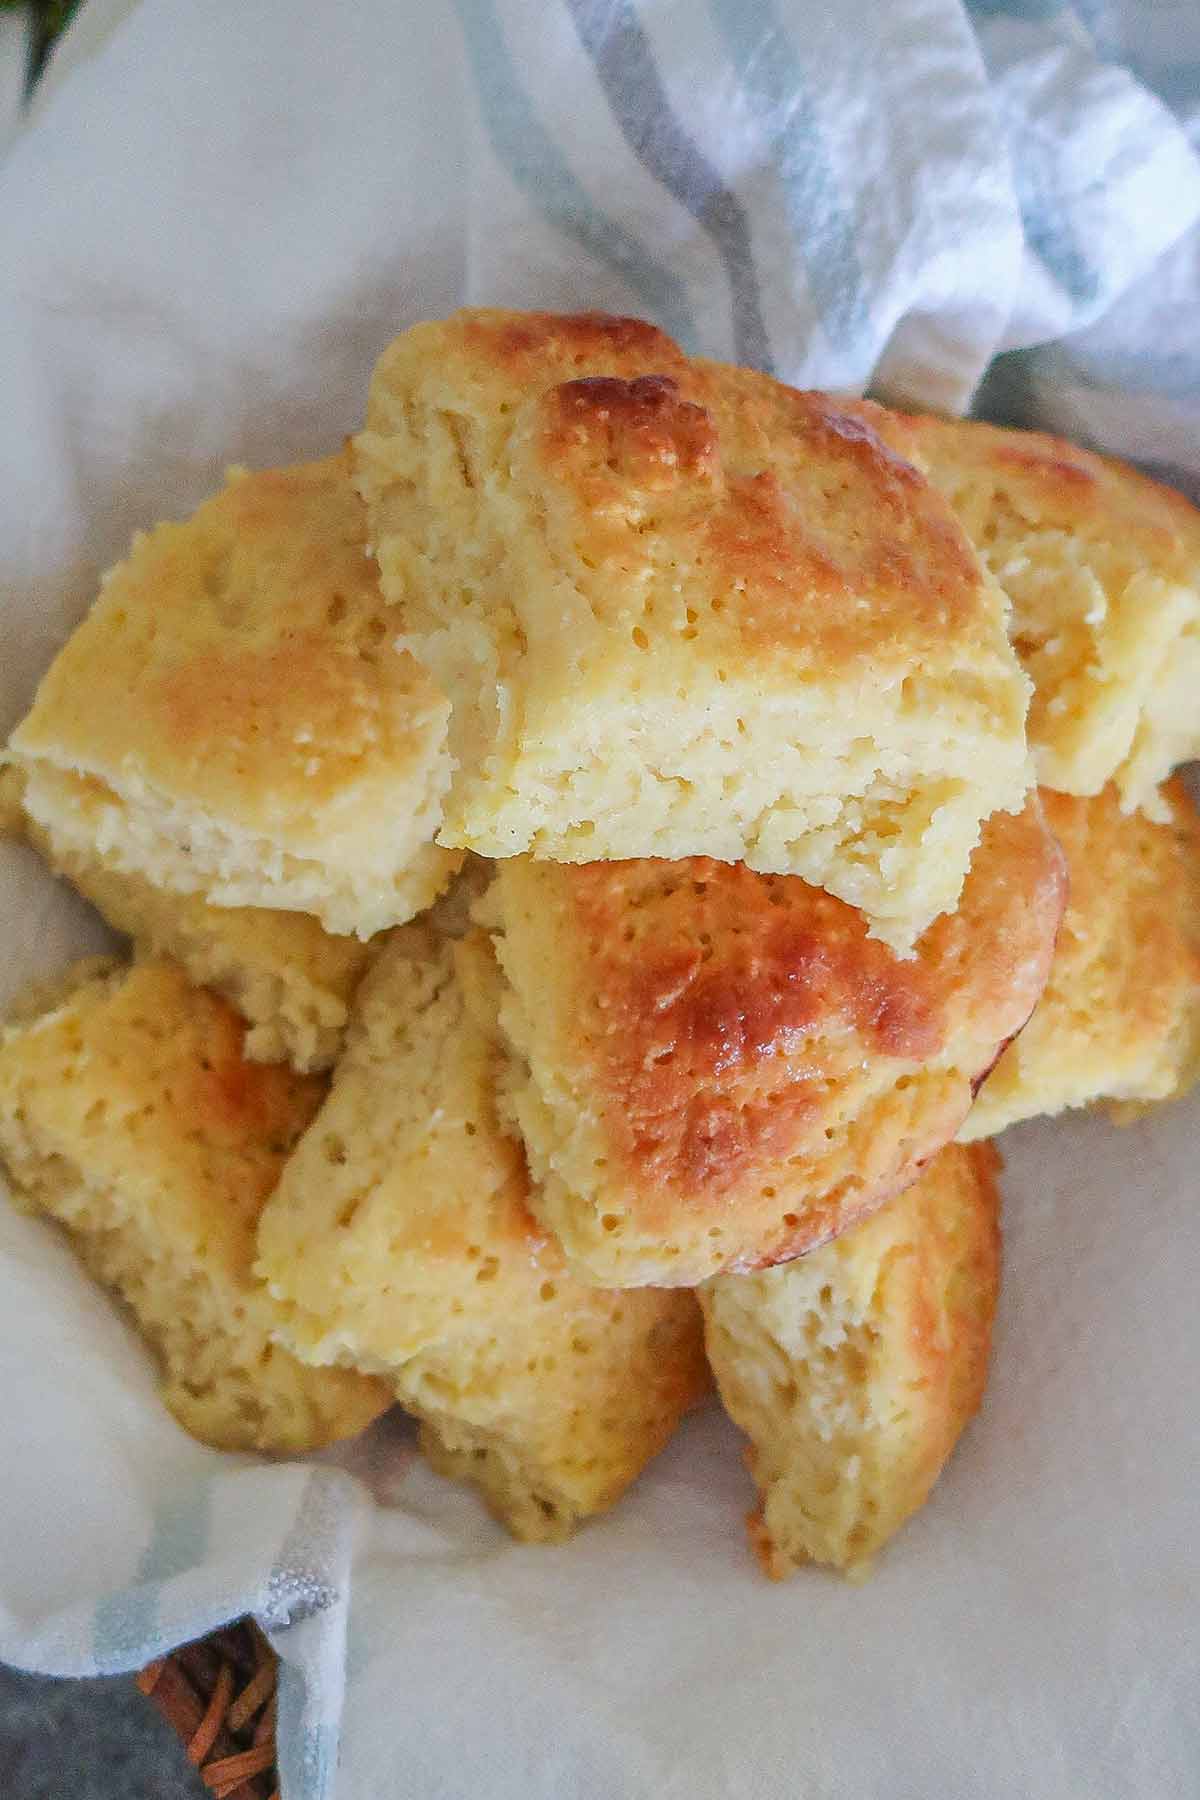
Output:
(552, 1419)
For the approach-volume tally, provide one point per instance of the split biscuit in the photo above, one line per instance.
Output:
(680, 609)
(235, 719)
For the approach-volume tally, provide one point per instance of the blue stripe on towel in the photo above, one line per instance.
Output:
(1033, 10)
(614, 38)
(124, 1624)
(822, 226)
(1049, 230)
(308, 1752)
(539, 169)
(1045, 216)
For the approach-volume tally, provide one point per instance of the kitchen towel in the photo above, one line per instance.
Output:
(211, 223)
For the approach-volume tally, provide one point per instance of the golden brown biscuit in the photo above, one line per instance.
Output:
(400, 1240)
(680, 608)
(291, 980)
(13, 822)
(854, 1370)
(1103, 569)
(129, 1114)
(235, 719)
(714, 1070)
(1120, 1017)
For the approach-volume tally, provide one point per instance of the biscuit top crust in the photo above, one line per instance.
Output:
(717, 1009)
(523, 342)
(777, 519)
(640, 431)
(1053, 485)
(141, 1063)
(792, 508)
(244, 660)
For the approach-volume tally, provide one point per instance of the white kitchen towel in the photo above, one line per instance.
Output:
(14, 70)
(211, 224)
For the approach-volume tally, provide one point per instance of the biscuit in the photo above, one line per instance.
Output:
(854, 1370)
(128, 1113)
(400, 1240)
(715, 1071)
(13, 822)
(1103, 569)
(234, 718)
(682, 609)
(1120, 1017)
(291, 980)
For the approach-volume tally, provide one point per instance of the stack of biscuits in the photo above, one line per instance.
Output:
(602, 856)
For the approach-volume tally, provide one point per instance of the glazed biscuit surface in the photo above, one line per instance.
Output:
(1102, 566)
(680, 608)
(715, 1070)
(401, 1240)
(854, 1370)
(235, 718)
(129, 1113)
(1120, 1018)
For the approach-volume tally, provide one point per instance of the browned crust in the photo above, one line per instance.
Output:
(217, 1099)
(794, 504)
(234, 1101)
(639, 431)
(258, 650)
(706, 1007)
(804, 567)
(145, 1033)
(1061, 485)
(1136, 895)
(955, 1296)
(722, 1007)
(525, 341)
